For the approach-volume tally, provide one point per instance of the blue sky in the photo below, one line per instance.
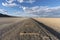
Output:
(30, 8)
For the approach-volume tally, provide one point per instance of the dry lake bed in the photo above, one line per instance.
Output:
(29, 29)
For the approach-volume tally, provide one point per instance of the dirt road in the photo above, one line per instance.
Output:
(27, 29)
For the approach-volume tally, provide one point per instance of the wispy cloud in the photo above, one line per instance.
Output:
(21, 1)
(42, 10)
(12, 3)
(3, 11)
(26, 1)
(9, 4)
(23, 14)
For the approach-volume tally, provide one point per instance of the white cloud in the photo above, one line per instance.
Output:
(20, 1)
(43, 10)
(30, 1)
(26, 1)
(10, 1)
(3, 11)
(23, 14)
(9, 4)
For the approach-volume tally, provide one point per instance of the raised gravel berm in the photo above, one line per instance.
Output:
(27, 29)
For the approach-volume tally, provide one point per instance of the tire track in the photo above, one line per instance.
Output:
(46, 32)
(26, 26)
(6, 31)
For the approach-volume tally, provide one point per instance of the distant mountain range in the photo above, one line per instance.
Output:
(4, 15)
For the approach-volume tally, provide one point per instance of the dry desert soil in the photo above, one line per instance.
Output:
(28, 29)
(53, 23)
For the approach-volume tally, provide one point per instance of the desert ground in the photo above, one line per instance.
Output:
(26, 29)
(4, 22)
(53, 23)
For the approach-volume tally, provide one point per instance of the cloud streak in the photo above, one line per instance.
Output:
(9, 4)
(43, 10)
(3, 11)
(26, 1)
(12, 3)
